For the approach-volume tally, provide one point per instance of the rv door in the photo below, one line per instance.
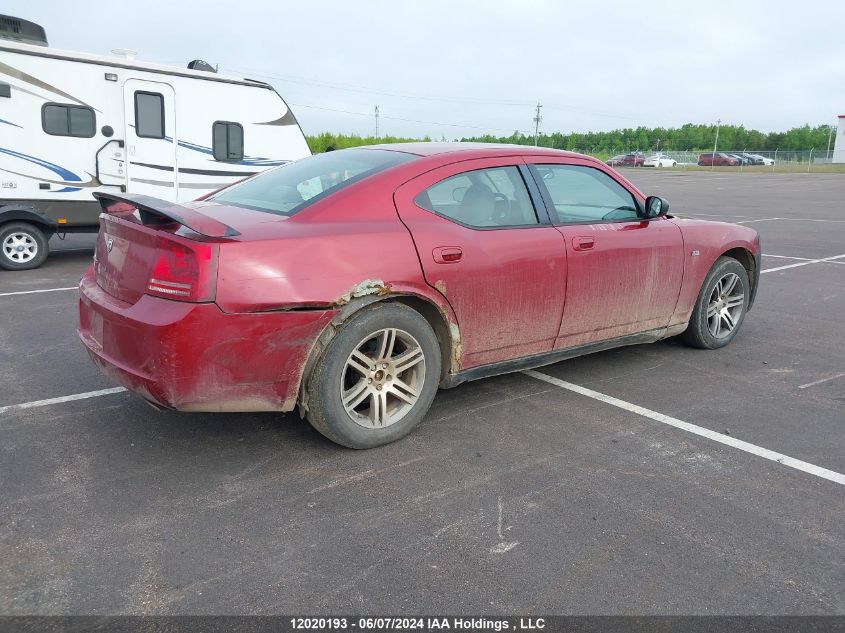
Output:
(150, 115)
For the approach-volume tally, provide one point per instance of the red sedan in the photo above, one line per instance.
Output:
(355, 283)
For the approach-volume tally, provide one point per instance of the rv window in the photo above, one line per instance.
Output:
(149, 115)
(227, 139)
(68, 120)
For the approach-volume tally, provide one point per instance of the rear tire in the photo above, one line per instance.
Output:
(721, 306)
(23, 246)
(377, 378)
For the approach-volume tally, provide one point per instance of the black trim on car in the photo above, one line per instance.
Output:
(547, 358)
(758, 262)
(537, 200)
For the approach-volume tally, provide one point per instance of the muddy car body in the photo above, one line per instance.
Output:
(466, 260)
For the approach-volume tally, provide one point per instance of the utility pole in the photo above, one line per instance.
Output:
(537, 120)
(716, 143)
(376, 111)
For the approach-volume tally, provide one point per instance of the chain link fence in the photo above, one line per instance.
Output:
(790, 159)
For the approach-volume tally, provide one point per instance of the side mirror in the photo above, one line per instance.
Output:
(655, 206)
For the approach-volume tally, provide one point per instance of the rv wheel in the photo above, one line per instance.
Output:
(22, 246)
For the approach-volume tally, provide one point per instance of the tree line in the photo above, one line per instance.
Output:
(694, 137)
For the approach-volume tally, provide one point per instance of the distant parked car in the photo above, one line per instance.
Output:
(633, 159)
(718, 159)
(615, 161)
(751, 159)
(659, 160)
(741, 158)
(763, 160)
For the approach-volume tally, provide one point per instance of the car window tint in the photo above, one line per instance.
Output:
(585, 194)
(482, 198)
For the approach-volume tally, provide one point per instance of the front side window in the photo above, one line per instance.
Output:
(585, 194)
(227, 141)
(68, 120)
(290, 188)
(149, 115)
(482, 198)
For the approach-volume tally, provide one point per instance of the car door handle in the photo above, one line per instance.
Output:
(447, 254)
(583, 243)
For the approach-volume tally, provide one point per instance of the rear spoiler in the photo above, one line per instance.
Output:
(157, 211)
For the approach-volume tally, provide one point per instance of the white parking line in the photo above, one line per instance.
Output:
(818, 382)
(60, 399)
(805, 263)
(765, 453)
(760, 220)
(802, 259)
(32, 292)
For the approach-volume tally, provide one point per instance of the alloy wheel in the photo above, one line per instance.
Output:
(382, 378)
(20, 248)
(724, 309)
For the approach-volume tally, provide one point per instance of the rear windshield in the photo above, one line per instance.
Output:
(290, 188)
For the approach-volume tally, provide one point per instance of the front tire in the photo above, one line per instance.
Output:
(721, 305)
(23, 246)
(377, 378)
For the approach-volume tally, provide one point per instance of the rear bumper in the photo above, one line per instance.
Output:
(194, 356)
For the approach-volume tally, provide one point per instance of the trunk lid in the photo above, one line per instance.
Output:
(151, 246)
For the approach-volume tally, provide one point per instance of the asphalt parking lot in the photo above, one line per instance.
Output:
(515, 495)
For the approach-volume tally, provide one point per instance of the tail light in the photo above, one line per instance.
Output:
(184, 272)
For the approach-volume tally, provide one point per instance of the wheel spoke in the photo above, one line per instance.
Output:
(727, 317)
(403, 391)
(735, 300)
(388, 340)
(378, 408)
(729, 284)
(712, 309)
(407, 360)
(716, 326)
(360, 363)
(356, 395)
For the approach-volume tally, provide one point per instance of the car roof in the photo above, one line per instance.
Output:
(423, 148)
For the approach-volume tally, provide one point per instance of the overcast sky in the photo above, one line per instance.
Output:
(469, 67)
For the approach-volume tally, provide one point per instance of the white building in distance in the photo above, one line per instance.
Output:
(839, 146)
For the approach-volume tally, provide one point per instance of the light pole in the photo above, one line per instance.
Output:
(716, 143)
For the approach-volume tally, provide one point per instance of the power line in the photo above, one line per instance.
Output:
(377, 91)
(396, 118)
(389, 93)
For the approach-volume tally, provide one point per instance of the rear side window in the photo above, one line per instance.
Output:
(149, 115)
(585, 194)
(482, 198)
(227, 141)
(290, 188)
(68, 120)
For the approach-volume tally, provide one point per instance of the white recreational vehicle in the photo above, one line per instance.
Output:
(72, 124)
